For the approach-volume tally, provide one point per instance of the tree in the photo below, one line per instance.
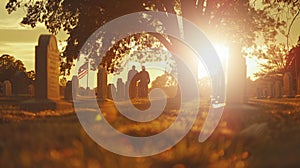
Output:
(31, 74)
(167, 83)
(276, 58)
(9, 66)
(284, 11)
(237, 21)
(272, 60)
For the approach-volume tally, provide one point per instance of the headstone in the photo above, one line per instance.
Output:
(20, 83)
(277, 89)
(264, 88)
(47, 68)
(46, 84)
(297, 67)
(62, 91)
(31, 90)
(265, 92)
(298, 85)
(271, 90)
(120, 89)
(1, 88)
(288, 90)
(102, 83)
(75, 87)
(7, 88)
(68, 91)
(259, 93)
(251, 89)
(111, 91)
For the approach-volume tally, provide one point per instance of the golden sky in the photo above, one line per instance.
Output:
(17, 40)
(20, 41)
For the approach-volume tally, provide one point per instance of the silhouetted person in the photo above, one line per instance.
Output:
(144, 80)
(131, 84)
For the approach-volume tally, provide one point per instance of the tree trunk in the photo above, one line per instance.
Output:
(236, 77)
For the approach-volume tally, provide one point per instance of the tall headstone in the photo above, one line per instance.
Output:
(120, 89)
(102, 83)
(31, 90)
(68, 91)
(297, 67)
(288, 90)
(75, 87)
(7, 88)
(298, 85)
(111, 91)
(259, 93)
(1, 88)
(277, 89)
(47, 68)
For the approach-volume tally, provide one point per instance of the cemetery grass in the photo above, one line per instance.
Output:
(264, 133)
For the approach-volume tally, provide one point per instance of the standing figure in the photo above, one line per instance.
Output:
(131, 83)
(144, 80)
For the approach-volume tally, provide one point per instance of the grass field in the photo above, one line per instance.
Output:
(264, 133)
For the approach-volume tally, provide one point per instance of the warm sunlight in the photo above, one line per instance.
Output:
(223, 53)
(253, 63)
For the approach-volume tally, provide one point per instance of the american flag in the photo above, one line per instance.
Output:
(83, 70)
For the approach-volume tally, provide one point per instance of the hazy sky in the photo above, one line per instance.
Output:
(17, 40)
(20, 41)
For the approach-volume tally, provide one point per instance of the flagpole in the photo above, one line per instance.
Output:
(87, 77)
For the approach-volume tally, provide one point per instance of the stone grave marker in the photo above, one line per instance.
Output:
(259, 93)
(102, 83)
(31, 90)
(120, 89)
(20, 83)
(7, 88)
(288, 90)
(271, 90)
(47, 68)
(46, 84)
(68, 91)
(277, 89)
(1, 88)
(75, 87)
(111, 91)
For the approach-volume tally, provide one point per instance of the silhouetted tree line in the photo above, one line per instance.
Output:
(9, 66)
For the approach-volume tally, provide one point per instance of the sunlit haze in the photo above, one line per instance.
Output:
(20, 41)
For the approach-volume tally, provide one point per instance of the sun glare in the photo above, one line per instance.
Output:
(223, 53)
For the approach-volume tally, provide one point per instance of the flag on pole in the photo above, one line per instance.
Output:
(83, 70)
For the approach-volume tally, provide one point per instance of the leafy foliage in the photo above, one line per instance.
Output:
(230, 21)
(9, 66)
(284, 13)
(167, 82)
(272, 59)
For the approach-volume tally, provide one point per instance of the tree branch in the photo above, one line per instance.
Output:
(290, 27)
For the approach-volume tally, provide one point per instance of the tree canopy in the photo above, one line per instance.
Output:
(9, 66)
(166, 82)
(229, 21)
